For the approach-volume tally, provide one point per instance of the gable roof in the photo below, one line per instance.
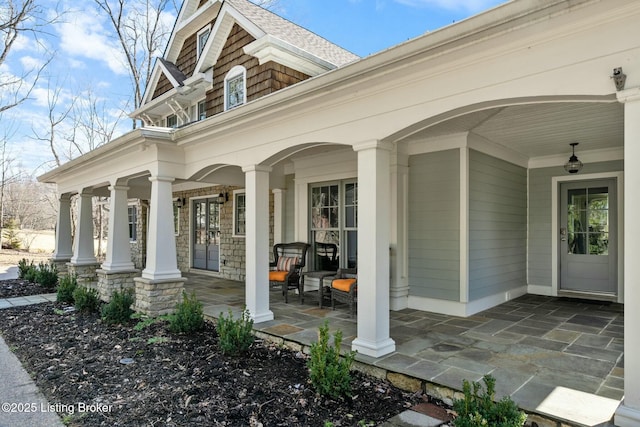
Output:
(277, 39)
(294, 34)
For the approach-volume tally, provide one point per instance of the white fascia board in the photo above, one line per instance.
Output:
(220, 32)
(153, 104)
(167, 73)
(153, 81)
(189, 25)
(270, 48)
(140, 136)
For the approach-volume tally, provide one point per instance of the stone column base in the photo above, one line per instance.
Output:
(111, 281)
(158, 297)
(61, 264)
(85, 274)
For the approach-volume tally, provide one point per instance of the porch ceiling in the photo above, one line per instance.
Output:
(537, 130)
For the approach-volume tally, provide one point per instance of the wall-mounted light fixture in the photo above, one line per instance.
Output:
(573, 165)
(619, 78)
(223, 197)
(180, 202)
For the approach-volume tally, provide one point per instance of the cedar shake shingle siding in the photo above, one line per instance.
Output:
(163, 86)
(261, 79)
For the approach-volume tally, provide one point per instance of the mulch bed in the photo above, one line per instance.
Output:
(178, 380)
(21, 288)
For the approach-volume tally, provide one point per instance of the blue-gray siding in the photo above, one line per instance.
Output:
(540, 216)
(434, 225)
(497, 225)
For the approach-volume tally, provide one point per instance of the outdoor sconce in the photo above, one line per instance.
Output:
(180, 202)
(619, 78)
(223, 197)
(573, 165)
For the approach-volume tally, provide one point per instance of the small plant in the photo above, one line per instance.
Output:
(118, 310)
(86, 300)
(235, 334)
(157, 340)
(24, 265)
(329, 372)
(145, 321)
(47, 275)
(188, 317)
(31, 272)
(67, 285)
(478, 407)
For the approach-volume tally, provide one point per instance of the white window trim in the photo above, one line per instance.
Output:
(166, 121)
(239, 236)
(197, 108)
(200, 49)
(236, 71)
(135, 206)
(177, 223)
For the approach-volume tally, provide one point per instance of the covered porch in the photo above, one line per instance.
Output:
(560, 359)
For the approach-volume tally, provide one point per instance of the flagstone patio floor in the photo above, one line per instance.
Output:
(558, 357)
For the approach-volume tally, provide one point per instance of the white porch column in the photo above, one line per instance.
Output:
(63, 250)
(83, 251)
(279, 197)
(118, 249)
(162, 263)
(373, 249)
(399, 286)
(628, 413)
(257, 242)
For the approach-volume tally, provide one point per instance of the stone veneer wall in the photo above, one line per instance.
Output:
(232, 249)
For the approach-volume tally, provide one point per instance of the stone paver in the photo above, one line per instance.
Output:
(537, 347)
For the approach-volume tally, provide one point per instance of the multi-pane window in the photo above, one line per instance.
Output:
(172, 121)
(234, 88)
(202, 110)
(239, 215)
(334, 219)
(203, 36)
(133, 221)
(588, 221)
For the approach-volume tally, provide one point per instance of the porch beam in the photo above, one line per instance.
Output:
(83, 251)
(257, 242)
(374, 199)
(162, 263)
(628, 413)
(118, 249)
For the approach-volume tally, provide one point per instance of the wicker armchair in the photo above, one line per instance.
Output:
(344, 288)
(288, 262)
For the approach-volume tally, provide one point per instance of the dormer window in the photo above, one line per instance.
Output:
(234, 87)
(203, 36)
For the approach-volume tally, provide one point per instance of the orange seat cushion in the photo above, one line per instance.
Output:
(343, 284)
(278, 276)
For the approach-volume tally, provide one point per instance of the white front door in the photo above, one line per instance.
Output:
(588, 238)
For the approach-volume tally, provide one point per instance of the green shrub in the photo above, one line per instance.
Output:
(478, 407)
(10, 238)
(24, 265)
(47, 275)
(86, 300)
(119, 308)
(188, 317)
(67, 285)
(31, 271)
(329, 372)
(235, 334)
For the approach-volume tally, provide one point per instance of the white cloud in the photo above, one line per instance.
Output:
(83, 35)
(31, 63)
(466, 5)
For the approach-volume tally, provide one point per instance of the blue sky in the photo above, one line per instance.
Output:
(87, 59)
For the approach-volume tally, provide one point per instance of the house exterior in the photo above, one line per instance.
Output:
(436, 166)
